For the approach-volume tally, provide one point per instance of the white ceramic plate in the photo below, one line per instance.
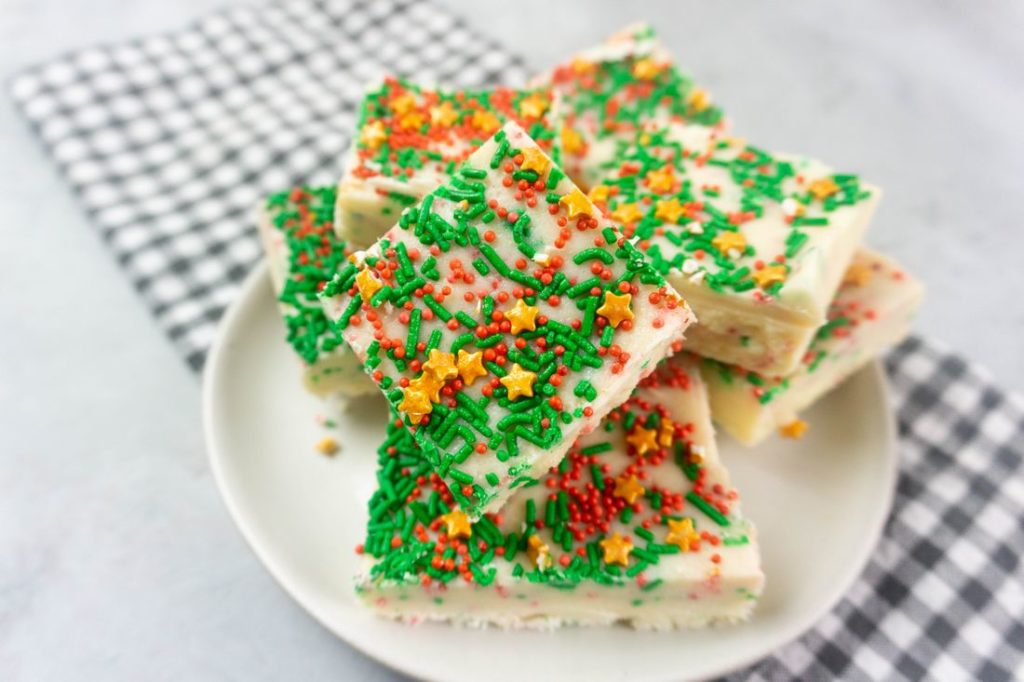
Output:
(819, 504)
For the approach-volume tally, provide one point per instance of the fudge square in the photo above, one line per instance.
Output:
(873, 310)
(409, 139)
(303, 254)
(606, 94)
(502, 317)
(639, 524)
(757, 243)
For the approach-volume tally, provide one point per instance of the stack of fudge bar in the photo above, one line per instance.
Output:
(515, 270)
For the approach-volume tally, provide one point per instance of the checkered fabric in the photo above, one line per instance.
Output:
(169, 142)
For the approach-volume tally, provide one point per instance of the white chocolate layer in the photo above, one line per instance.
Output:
(872, 310)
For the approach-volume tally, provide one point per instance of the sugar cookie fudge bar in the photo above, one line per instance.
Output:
(608, 93)
(303, 253)
(502, 318)
(638, 524)
(872, 310)
(408, 141)
(757, 243)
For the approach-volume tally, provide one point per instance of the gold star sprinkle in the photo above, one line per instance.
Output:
(794, 429)
(443, 114)
(669, 211)
(727, 241)
(485, 121)
(327, 446)
(518, 382)
(617, 549)
(471, 366)
(402, 104)
(367, 284)
(767, 276)
(682, 534)
(666, 429)
(858, 275)
(599, 194)
(628, 488)
(615, 308)
(441, 365)
(572, 141)
(698, 99)
(627, 213)
(824, 188)
(415, 404)
(534, 159)
(373, 135)
(646, 69)
(661, 179)
(643, 440)
(582, 66)
(538, 552)
(428, 385)
(457, 524)
(576, 203)
(523, 316)
(411, 120)
(533, 106)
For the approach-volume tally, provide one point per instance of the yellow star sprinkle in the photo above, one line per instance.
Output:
(599, 194)
(533, 106)
(581, 66)
(576, 203)
(794, 429)
(373, 135)
(767, 276)
(698, 99)
(727, 241)
(428, 385)
(443, 114)
(627, 213)
(457, 524)
(534, 159)
(646, 69)
(485, 121)
(628, 488)
(665, 431)
(415, 404)
(441, 365)
(523, 316)
(367, 284)
(858, 275)
(682, 534)
(617, 549)
(471, 366)
(572, 141)
(824, 188)
(518, 382)
(411, 120)
(615, 308)
(328, 446)
(669, 211)
(661, 179)
(538, 552)
(643, 440)
(402, 104)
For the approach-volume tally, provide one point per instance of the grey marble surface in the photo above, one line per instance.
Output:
(117, 559)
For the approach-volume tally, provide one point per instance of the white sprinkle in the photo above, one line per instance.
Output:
(695, 228)
(789, 206)
(698, 277)
(690, 266)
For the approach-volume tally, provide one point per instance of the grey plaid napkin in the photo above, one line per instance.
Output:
(169, 142)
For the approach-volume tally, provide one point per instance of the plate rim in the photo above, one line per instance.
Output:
(212, 376)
